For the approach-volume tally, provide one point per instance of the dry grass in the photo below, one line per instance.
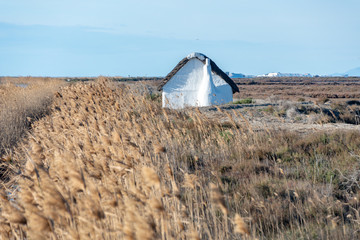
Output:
(22, 100)
(110, 163)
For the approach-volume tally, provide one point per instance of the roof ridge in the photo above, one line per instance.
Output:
(201, 57)
(197, 55)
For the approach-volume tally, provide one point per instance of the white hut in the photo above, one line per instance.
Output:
(196, 81)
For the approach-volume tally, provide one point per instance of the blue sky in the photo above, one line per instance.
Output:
(148, 38)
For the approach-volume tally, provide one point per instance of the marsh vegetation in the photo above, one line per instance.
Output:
(107, 162)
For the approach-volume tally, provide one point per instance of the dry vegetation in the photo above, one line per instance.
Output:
(306, 101)
(110, 163)
(295, 88)
(22, 100)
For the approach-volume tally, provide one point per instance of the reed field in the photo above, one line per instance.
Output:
(107, 162)
(22, 101)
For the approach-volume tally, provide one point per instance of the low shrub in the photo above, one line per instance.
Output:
(245, 101)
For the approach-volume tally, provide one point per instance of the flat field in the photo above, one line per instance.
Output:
(107, 162)
(295, 88)
(296, 104)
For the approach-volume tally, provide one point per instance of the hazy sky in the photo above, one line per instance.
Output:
(148, 38)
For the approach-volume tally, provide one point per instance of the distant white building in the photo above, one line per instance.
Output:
(278, 74)
(272, 75)
(196, 81)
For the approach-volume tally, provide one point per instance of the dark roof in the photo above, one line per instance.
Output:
(214, 68)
